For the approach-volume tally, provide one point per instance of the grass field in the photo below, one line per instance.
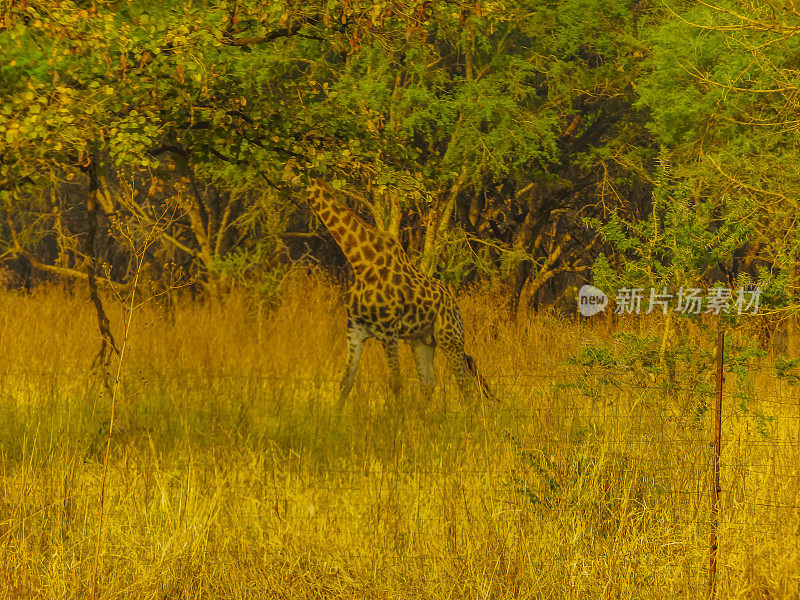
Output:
(234, 474)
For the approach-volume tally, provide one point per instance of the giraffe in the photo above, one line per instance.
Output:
(390, 300)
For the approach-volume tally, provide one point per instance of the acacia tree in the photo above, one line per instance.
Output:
(723, 96)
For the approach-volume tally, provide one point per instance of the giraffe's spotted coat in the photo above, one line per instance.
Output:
(391, 300)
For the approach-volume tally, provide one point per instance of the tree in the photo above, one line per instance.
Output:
(722, 92)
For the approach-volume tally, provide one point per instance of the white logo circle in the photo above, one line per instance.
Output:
(591, 300)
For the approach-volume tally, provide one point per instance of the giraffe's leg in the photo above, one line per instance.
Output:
(357, 334)
(393, 359)
(423, 357)
(467, 374)
(450, 337)
(458, 363)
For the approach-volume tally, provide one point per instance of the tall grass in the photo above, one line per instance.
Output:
(234, 474)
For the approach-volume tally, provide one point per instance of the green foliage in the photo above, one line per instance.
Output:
(399, 100)
(682, 375)
(784, 368)
(679, 243)
(249, 268)
(407, 104)
(719, 88)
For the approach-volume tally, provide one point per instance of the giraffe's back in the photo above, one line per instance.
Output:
(393, 298)
(395, 311)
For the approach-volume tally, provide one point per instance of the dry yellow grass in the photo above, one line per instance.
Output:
(235, 475)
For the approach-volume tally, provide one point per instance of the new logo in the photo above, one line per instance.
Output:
(591, 300)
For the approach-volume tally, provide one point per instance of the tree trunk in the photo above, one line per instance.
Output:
(439, 223)
(523, 240)
(107, 344)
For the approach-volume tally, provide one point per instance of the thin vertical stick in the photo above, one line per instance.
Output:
(715, 489)
(139, 254)
(114, 395)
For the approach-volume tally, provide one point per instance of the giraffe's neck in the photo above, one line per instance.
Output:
(347, 228)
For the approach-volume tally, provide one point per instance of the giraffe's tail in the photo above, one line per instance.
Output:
(486, 391)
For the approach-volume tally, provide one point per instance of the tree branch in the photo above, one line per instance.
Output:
(18, 250)
(228, 40)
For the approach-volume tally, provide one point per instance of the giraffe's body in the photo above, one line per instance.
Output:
(391, 300)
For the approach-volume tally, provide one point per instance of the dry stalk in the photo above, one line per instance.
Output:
(138, 248)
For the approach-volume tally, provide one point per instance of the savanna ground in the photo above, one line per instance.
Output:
(234, 473)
